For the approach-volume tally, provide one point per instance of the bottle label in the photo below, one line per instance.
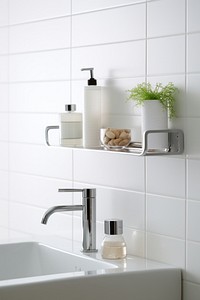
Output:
(71, 130)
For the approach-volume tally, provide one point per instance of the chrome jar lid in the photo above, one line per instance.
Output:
(113, 226)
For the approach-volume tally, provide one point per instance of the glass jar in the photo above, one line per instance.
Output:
(113, 245)
(71, 127)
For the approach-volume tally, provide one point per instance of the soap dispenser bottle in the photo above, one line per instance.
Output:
(91, 112)
(113, 245)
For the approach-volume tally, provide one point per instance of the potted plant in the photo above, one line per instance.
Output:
(156, 103)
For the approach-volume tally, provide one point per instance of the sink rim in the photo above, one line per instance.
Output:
(129, 264)
(38, 278)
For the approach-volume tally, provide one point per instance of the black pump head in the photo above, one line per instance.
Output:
(92, 80)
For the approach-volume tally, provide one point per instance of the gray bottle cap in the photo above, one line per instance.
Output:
(113, 226)
(70, 107)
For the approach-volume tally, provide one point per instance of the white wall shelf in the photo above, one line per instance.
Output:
(175, 144)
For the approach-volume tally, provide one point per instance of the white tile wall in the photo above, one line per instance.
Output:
(3, 40)
(193, 221)
(128, 61)
(39, 160)
(165, 57)
(4, 185)
(160, 12)
(88, 5)
(94, 31)
(4, 97)
(4, 13)
(160, 209)
(42, 35)
(4, 127)
(42, 51)
(193, 53)
(193, 263)
(112, 172)
(166, 176)
(53, 65)
(4, 156)
(21, 11)
(193, 182)
(39, 96)
(167, 249)
(3, 69)
(193, 16)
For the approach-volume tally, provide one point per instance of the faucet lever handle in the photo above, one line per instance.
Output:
(87, 193)
(70, 190)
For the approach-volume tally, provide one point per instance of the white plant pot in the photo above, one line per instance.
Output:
(155, 116)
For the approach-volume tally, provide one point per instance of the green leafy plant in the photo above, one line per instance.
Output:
(165, 94)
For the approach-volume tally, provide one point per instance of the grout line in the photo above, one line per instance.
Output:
(185, 120)
(71, 55)
(95, 45)
(145, 158)
(8, 87)
(105, 78)
(71, 14)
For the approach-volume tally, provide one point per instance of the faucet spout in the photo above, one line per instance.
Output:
(59, 208)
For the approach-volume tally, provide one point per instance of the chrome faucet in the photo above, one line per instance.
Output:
(88, 208)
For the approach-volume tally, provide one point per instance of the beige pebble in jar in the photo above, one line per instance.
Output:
(113, 245)
(115, 138)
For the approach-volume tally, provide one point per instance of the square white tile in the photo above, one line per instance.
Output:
(4, 97)
(120, 24)
(4, 179)
(4, 213)
(193, 262)
(30, 128)
(4, 12)
(4, 69)
(4, 40)
(166, 249)
(193, 15)
(52, 65)
(40, 160)
(192, 142)
(121, 204)
(39, 96)
(135, 242)
(4, 157)
(38, 191)
(4, 126)
(118, 60)
(58, 224)
(164, 56)
(117, 170)
(21, 11)
(193, 58)
(166, 216)
(163, 20)
(166, 176)
(37, 36)
(193, 94)
(194, 221)
(192, 180)
(79, 6)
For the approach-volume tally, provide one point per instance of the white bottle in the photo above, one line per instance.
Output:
(71, 127)
(113, 245)
(91, 113)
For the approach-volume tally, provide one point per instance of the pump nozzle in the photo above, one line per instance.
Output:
(92, 80)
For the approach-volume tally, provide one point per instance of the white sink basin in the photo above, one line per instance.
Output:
(31, 270)
(29, 259)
